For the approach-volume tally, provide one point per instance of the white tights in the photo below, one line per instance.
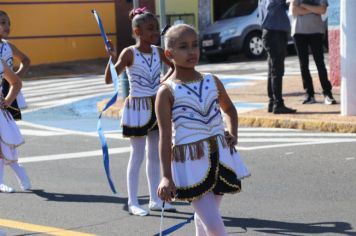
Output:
(17, 168)
(137, 155)
(207, 218)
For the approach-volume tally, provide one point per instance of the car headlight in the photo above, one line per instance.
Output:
(228, 32)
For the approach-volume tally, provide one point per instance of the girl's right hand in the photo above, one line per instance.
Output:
(111, 49)
(166, 190)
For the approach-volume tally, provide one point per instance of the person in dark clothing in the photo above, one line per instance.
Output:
(275, 32)
(307, 30)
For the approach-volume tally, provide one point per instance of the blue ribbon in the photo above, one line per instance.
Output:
(175, 227)
(104, 145)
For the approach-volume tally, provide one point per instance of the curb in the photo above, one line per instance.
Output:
(260, 121)
(112, 112)
(304, 124)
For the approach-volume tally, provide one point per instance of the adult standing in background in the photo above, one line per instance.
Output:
(307, 31)
(275, 33)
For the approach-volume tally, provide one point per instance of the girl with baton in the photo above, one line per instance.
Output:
(143, 67)
(203, 164)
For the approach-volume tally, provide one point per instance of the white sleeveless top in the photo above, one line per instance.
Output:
(7, 56)
(196, 112)
(6, 53)
(144, 73)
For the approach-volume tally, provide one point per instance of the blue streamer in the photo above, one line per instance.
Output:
(175, 227)
(104, 145)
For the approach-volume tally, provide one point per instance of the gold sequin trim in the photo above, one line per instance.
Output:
(206, 175)
(137, 102)
(148, 103)
(229, 184)
(195, 150)
(195, 185)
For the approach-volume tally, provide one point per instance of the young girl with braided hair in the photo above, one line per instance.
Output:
(143, 67)
(203, 163)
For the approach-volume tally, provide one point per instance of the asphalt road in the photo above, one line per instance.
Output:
(302, 184)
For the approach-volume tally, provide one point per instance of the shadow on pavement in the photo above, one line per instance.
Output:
(288, 228)
(65, 197)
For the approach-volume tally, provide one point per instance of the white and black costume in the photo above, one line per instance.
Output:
(138, 116)
(201, 160)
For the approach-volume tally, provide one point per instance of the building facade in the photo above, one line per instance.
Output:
(50, 31)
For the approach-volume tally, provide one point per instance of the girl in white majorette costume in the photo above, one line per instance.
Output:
(143, 67)
(10, 136)
(9, 52)
(203, 164)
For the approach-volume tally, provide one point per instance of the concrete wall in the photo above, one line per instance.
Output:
(181, 7)
(50, 31)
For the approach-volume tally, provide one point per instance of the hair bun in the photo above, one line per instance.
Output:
(138, 11)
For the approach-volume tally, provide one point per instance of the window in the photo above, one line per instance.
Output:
(240, 8)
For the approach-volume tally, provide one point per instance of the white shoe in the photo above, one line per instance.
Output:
(137, 210)
(157, 206)
(6, 189)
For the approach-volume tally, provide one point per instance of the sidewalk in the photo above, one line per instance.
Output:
(318, 117)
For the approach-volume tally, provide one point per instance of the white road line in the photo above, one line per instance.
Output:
(256, 134)
(291, 140)
(53, 85)
(63, 80)
(66, 89)
(286, 145)
(55, 103)
(64, 95)
(113, 134)
(35, 132)
(74, 155)
(268, 129)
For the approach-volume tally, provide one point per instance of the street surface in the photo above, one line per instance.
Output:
(302, 183)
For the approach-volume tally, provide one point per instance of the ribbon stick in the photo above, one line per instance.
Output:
(114, 76)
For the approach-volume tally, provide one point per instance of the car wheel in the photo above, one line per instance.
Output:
(253, 46)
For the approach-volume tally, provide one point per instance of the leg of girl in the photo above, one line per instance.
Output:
(208, 221)
(152, 167)
(153, 173)
(3, 188)
(22, 177)
(200, 228)
(133, 170)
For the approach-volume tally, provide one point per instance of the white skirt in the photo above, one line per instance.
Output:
(194, 177)
(21, 102)
(138, 116)
(10, 137)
